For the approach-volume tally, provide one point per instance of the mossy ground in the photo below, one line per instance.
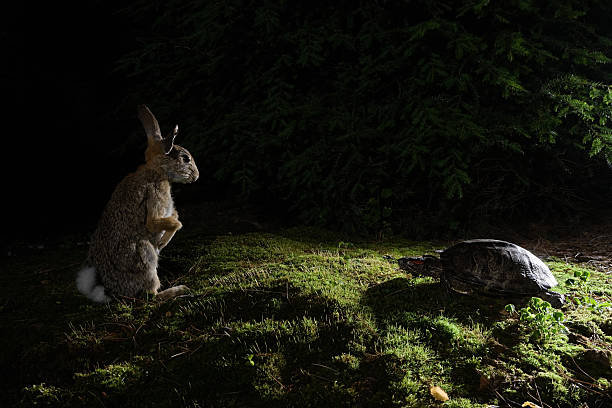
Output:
(295, 317)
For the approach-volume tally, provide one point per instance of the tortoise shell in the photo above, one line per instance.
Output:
(491, 265)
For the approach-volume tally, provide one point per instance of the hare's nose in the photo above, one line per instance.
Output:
(195, 174)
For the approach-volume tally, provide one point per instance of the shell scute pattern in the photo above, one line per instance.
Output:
(497, 265)
(489, 266)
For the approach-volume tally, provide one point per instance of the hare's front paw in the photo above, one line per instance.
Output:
(176, 223)
(172, 292)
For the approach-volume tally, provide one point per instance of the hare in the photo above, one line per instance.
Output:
(138, 222)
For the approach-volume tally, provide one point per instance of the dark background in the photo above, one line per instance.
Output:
(67, 131)
(72, 134)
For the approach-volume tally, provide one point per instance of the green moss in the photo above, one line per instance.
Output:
(347, 360)
(557, 389)
(464, 403)
(43, 395)
(294, 318)
(268, 381)
(114, 378)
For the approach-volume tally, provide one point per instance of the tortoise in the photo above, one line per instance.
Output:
(488, 266)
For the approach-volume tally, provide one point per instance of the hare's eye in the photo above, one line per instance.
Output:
(185, 158)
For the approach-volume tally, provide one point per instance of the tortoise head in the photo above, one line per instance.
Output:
(428, 265)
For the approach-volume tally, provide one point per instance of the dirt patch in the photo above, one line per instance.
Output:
(590, 243)
(592, 248)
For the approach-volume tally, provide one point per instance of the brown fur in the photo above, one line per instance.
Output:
(140, 219)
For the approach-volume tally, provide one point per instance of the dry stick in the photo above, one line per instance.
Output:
(326, 367)
(97, 398)
(533, 398)
(262, 291)
(506, 401)
(179, 354)
(579, 384)
(191, 295)
(123, 299)
(59, 268)
(397, 291)
(125, 326)
(197, 348)
(320, 377)
(111, 338)
(538, 392)
(600, 237)
(539, 399)
(583, 383)
(273, 377)
(580, 368)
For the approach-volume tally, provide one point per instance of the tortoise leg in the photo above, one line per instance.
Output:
(446, 284)
(448, 288)
(455, 285)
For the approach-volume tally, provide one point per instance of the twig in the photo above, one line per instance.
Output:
(273, 377)
(395, 292)
(191, 295)
(581, 370)
(538, 392)
(326, 367)
(582, 385)
(601, 237)
(118, 324)
(97, 398)
(59, 268)
(111, 338)
(316, 376)
(179, 354)
(196, 349)
(539, 399)
(262, 291)
(592, 387)
(506, 401)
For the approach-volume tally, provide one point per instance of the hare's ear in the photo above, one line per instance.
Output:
(169, 140)
(150, 124)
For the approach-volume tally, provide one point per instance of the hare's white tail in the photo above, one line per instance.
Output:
(86, 284)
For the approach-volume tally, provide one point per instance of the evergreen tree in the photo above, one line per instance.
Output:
(372, 113)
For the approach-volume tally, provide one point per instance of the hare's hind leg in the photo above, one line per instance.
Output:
(143, 271)
(150, 280)
(172, 292)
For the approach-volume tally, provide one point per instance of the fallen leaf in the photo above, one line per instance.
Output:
(484, 383)
(530, 405)
(438, 393)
